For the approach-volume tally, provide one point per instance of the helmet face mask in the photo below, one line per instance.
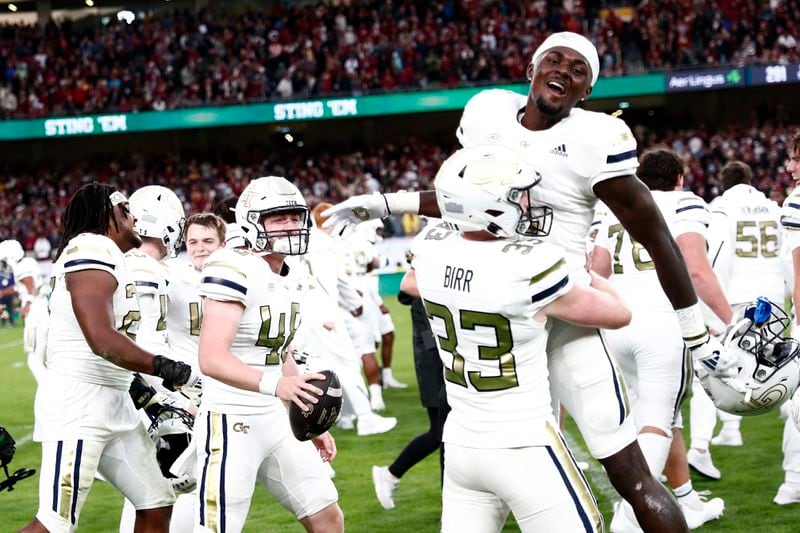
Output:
(159, 215)
(769, 365)
(266, 197)
(488, 188)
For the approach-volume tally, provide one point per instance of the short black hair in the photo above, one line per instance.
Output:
(734, 173)
(224, 209)
(659, 168)
(88, 211)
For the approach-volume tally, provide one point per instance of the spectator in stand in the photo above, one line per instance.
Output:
(180, 59)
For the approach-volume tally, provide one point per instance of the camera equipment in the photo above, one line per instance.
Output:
(7, 450)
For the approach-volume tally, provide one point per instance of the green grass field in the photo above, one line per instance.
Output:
(751, 474)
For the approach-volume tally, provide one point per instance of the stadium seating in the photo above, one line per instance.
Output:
(33, 199)
(182, 59)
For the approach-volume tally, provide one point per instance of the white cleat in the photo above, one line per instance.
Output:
(389, 381)
(702, 463)
(624, 520)
(702, 510)
(385, 486)
(373, 424)
(787, 495)
(727, 438)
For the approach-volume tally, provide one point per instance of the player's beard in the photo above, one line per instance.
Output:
(547, 109)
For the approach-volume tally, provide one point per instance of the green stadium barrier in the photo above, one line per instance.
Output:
(389, 284)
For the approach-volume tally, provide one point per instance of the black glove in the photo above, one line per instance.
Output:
(141, 392)
(173, 373)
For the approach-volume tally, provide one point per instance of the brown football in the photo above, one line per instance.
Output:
(323, 414)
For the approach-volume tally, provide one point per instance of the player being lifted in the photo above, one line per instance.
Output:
(85, 418)
(252, 302)
(488, 288)
(583, 156)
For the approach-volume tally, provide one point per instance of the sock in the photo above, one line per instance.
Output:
(655, 449)
(686, 493)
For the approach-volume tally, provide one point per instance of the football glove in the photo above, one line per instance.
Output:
(174, 374)
(710, 357)
(345, 216)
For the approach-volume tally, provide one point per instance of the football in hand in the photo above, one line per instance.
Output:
(321, 415)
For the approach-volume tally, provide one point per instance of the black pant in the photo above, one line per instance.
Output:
(423, 445)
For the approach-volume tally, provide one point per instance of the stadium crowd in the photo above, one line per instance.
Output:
(33, 198)
(181, 59)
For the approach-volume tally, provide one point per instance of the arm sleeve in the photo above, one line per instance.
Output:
(790, 220)
(549, 280)
(691, 216)
(619, 152)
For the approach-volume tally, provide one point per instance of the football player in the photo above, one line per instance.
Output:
(650, 350)
(84, 416)
(381, 317)
(324, 333)
(585, 156)
(31, 290)
(745, 243)
(789, 491)
(160, 220)
(488, 290)
(251, 310)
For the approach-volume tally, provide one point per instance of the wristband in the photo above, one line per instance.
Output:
(693, 328)
(401, 203)
(268, 384)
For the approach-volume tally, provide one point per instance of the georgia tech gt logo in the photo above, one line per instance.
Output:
(241, 428)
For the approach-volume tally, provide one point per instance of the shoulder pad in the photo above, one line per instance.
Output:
(145, 272)
(790, 212)
(89, 251)
(224, 276)
(549, 275)
(691, 208)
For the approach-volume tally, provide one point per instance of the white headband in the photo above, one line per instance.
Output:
(574, 41)
(117, 198)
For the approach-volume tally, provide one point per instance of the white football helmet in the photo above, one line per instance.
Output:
(488, 188)
(268, 196)
(159, 214)
(11, 251)
(769, 368)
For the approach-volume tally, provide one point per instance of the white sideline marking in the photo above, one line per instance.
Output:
(18, 364)
(596, 475)
(10, 344)
(25, 439)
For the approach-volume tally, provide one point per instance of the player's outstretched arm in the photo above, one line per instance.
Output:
(409, 283)
(92, 293)
(343, 217)
(601, 261)
(596, 306)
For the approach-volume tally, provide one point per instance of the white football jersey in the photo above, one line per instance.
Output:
(271, 317)
(150, 277)
(184, 311)
(632, 269)
(68, 353)
(481, 298)
(574, 155)
(745, 240)
(28, 267)
(790, 219)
